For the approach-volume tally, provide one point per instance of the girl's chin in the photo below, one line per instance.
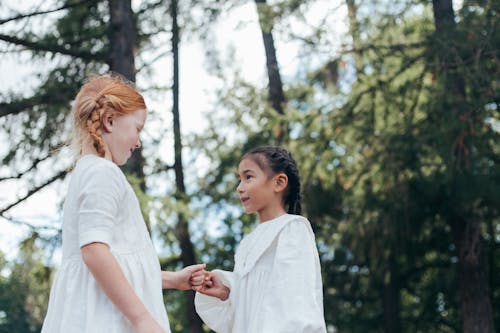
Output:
(120, 161)
(248, 210)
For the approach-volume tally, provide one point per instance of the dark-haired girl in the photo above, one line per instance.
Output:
(276, 283)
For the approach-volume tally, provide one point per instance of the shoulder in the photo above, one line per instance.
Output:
(98, 172)
(296, 242)
(94, 165)
(296, 231)
(297, 224)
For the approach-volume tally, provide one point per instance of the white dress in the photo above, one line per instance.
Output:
(102, 207)
(276, 284)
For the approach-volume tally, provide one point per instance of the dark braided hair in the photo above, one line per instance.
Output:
(275, 160)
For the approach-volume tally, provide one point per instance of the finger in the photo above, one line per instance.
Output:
(198, 276)
(197, 268)
(199, 279)
(196, 282)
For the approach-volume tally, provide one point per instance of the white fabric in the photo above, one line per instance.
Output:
(102, 207)
(276, 284)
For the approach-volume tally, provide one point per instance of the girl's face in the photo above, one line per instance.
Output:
(259, 193)
(122, 137)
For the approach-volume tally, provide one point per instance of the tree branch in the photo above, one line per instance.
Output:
(51, 97)
(21, 16)
(34, 46)
(391, 47)
(60, 175)
(27, 224)
(149, 7)
(380, 83)
(19, 175)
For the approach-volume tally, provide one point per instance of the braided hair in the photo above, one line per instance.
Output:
(100, 96)
(275, 160)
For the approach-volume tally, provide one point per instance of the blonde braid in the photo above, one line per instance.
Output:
(94, 125)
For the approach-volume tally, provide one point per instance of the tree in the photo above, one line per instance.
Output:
(464, 165)
(24, 289)
(276, 95)
(182, 227)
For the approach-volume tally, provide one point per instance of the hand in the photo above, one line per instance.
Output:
(190, 277)
(213, 286)
(147, 324)
(198, 278)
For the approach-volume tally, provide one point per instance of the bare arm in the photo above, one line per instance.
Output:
(109, 275)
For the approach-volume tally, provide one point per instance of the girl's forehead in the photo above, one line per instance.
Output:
(140, 115)
(248, 164)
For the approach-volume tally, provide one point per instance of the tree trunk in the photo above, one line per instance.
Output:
(354, 31)
(276, 95)
(391, 300)
(122, 41)
(122, 38)
(473, 280)
(359, 65)
(182, 228)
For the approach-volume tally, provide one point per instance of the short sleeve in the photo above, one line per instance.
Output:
(217, 314)
(295, 291)
(98, 201)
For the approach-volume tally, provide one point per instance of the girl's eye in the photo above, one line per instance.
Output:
(248, 177)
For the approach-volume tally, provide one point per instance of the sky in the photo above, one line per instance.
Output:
(238, 32)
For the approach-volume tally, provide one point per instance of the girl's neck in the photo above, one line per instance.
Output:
(271, 214)
(88, 148)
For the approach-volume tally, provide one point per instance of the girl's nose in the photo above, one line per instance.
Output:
(138, 144)
(238, 188)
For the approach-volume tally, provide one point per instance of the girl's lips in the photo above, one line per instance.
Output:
(243, 200)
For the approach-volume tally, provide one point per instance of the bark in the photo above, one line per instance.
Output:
(122, 39)
(473, 279)
(182, 228)
(276, 95)
(391, 299)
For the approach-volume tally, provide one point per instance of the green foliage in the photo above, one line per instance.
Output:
(24, 289)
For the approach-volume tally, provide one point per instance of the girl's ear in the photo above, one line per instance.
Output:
(281, 182)
(107, 122)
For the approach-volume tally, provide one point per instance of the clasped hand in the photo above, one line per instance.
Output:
(210, 284)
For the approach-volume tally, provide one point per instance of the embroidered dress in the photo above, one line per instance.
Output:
(276, 284)
(102, 207)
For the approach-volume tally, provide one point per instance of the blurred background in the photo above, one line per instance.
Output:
(391, 109)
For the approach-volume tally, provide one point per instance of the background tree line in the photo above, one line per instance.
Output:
(395, 129)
